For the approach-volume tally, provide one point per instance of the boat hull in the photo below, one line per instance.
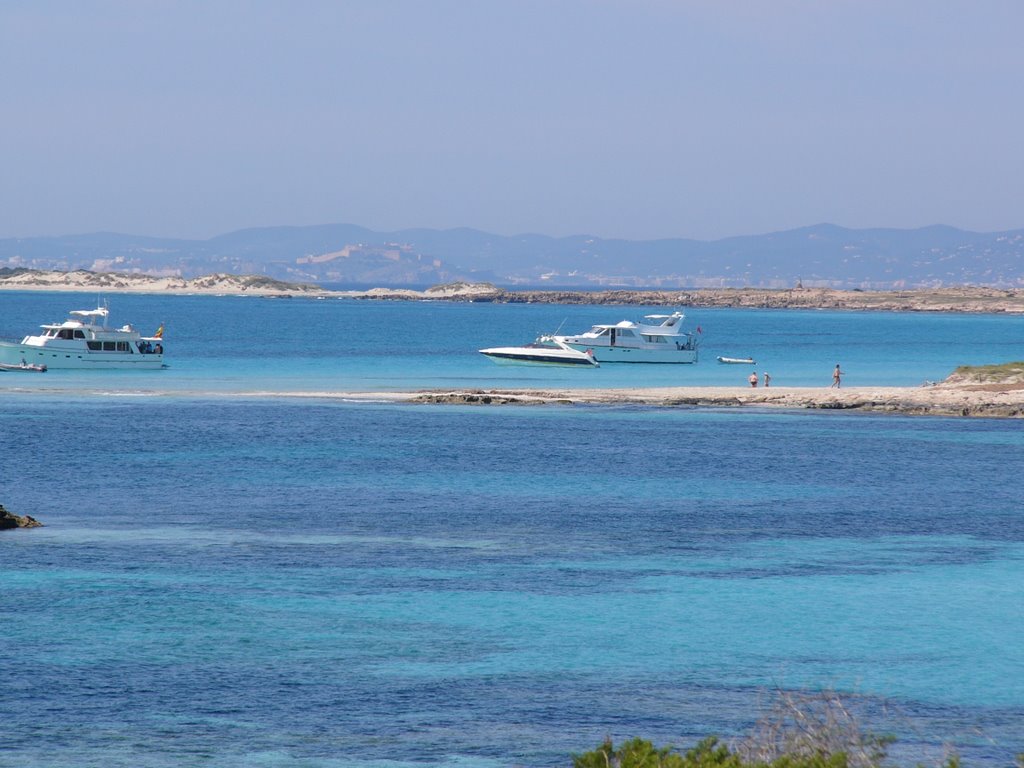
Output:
(78, 356)
(545, 356)
(619, 354)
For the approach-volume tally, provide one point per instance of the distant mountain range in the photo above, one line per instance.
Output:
(823, 255)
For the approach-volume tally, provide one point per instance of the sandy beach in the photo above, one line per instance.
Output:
(225, 285)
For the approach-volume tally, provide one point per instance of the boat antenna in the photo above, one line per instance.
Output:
(559, 327)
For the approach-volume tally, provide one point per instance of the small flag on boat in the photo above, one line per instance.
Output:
(159, 332)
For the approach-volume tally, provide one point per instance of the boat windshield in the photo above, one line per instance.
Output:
(89, 313)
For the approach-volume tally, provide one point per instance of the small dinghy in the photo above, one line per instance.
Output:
(23, 367)
(738, 360)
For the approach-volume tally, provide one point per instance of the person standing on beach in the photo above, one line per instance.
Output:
(753, 379)
(767, 379)
(836, 381)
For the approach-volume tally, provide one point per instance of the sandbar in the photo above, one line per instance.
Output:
(987, 400)
(978, 400)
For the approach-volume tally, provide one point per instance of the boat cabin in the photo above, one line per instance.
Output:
(87, 325)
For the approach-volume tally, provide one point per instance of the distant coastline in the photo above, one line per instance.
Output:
(945, 299)
(821, 256)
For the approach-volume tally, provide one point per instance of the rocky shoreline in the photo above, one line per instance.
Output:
(948, 299)
(992, 391)
(989, 401)
(995, 391)
(958, 299)
(962, 299)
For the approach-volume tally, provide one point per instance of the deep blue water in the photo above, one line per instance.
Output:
(255, 581)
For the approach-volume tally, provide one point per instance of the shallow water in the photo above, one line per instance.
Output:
(248, 344)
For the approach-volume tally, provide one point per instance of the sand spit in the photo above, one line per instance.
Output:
(992, 400)
(965, 397)
(986, 400)
(956, 299)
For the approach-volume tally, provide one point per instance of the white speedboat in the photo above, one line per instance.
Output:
(658, 341)
(85, 341)
(546, 349)
(738, 360)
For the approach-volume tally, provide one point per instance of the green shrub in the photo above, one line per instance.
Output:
(709, 753)
(638, 753)
(817, 730)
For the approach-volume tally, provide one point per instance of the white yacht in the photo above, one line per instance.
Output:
(544, 350)
(660, 340)
(85, 341)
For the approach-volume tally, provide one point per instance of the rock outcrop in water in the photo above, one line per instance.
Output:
(10, 520)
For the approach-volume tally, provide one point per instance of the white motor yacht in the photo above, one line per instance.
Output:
(658, 341)
(85, 341)
(546, 349)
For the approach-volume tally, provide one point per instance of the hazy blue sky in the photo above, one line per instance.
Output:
(620, 118)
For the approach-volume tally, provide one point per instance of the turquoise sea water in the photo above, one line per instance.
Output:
(260, 581)
(245, 344)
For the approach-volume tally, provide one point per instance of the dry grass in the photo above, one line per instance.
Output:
(1004, 373)
(811, 725)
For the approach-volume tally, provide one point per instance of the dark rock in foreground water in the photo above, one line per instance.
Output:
(11, 520)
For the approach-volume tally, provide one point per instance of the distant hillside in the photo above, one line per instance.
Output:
(820, 256)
